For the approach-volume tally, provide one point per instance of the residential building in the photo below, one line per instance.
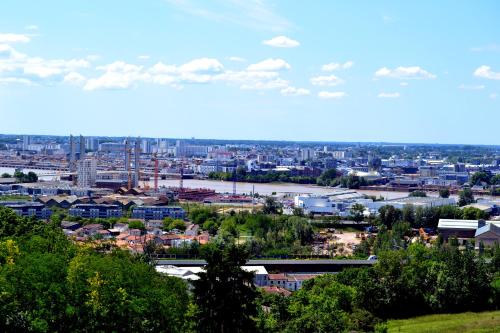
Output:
(158, 212)
(28, 208)
(95, 211)
(87, 172)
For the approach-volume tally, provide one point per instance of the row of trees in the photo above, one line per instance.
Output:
(485, 177)
(22, 177)
(402, 284)
(330, 177)
(419, 217)
(242, 175)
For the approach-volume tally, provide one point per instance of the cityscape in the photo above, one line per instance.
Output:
(249, 166)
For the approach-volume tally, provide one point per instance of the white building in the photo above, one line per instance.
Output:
(87, 172)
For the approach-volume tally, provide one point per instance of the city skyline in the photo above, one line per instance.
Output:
(252, 70)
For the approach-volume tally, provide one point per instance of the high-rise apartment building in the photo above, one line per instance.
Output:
(87, 172)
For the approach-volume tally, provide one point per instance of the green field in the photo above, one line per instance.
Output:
(15, 197)
(468, 322)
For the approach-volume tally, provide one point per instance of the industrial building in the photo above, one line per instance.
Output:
(463, 229)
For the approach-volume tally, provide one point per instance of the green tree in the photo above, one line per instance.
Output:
(322, 305)
(408, 213)
(481, 177)
(271, 206)
(444, 193)
(420, 194)
(135, 224)
(465, 197)
(473, 213)
(357, 212)
(389, 215)
(224, 294)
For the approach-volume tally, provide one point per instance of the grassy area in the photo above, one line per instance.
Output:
(15, 198)
(468, 322)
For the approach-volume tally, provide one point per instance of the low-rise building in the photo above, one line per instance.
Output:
(95, 211)
(488, 235)
(158, 212)
(28, 208)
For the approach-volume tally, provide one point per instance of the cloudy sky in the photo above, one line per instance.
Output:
(412, 71)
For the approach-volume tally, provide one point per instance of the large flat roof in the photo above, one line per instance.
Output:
(457, 224)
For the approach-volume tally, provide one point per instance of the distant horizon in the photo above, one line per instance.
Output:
(258, 140)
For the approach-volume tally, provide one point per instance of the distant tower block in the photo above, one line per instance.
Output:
(82, 148)
(137, 161)
(87, 172)
(72, 154)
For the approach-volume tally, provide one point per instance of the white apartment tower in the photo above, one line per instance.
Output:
(87, 172)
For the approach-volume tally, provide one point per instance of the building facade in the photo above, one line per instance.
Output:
(158, 212)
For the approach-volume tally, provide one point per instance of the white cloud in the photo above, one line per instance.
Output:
(493, 95)
(9, 80)
(333, 66)
(164, 79)
(388, 95)
(408, 73)
(237, 59)
(21, 68)
(269, 65)
(202, 65)
(281, 41)
(331, 94)
(265, 85)
(118, 75)
(13, 38)
(8, 52)
(471, 87)
(403, 84)
(323, 81)
(292, 91)
(41, 70)
(161, 68)
(31, 27)
(74, 78)
(485, 72)
(120, 66)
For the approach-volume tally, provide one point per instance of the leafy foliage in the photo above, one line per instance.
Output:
(224, 294)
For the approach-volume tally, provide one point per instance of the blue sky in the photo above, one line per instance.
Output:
(412, 71)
